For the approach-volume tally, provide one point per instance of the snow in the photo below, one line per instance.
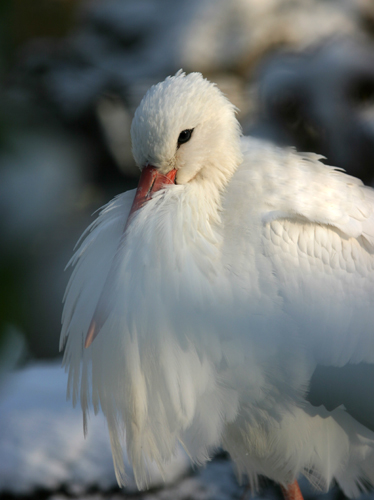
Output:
(42, 444)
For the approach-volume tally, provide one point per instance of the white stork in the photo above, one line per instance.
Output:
(201, 307)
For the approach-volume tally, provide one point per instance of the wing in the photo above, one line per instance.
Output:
(316, 227)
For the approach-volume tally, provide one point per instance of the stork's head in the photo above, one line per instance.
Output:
(186, 124)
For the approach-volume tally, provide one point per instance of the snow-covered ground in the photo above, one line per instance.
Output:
(42, 444)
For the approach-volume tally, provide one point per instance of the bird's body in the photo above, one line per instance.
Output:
(219, 296)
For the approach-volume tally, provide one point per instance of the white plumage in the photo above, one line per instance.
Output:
(220, 298)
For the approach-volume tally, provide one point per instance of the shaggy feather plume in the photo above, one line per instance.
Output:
(227, 289)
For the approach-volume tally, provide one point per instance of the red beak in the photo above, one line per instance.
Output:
(151, 181)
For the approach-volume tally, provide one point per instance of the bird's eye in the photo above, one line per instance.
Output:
(185, 136)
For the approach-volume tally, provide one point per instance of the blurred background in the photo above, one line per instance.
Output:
(72, 72)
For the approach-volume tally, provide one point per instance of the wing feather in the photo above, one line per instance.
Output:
(92, 259)
(315, 227)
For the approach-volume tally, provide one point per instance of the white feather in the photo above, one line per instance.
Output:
(226, 291)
